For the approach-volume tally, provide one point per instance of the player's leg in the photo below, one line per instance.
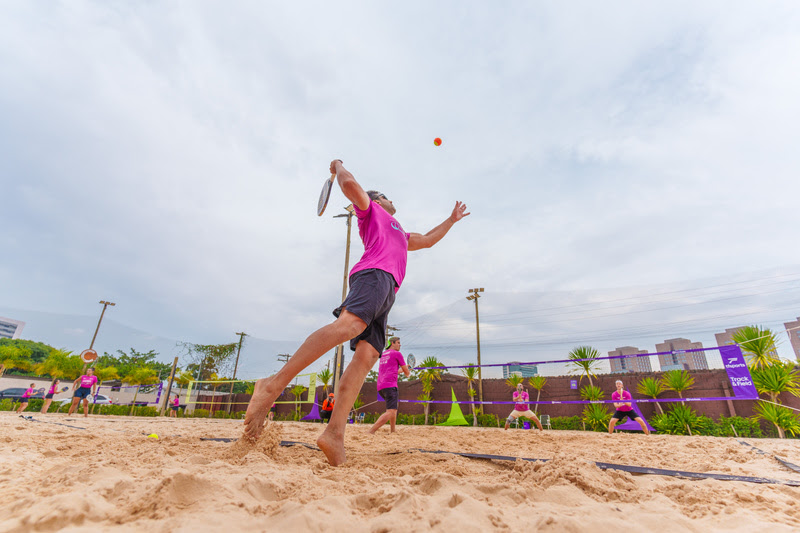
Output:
(392, 419)
(331, 442)
(611, 424)
(530, 414)
(75, 400)
(642, 424)
(22, 407)
(86, 407)
(380, 422)
(512, 418)
(267, 390)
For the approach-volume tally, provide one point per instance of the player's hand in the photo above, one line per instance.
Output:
(333, 165)
(459, 212)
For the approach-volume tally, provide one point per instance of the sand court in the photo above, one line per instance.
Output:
(110, 476)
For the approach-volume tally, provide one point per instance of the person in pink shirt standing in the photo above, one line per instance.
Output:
(623, 407)
(48, 399)
(88, 385)
(26, 397)
(176, 403)
(361, 318)
(521, 408)
(391, 363)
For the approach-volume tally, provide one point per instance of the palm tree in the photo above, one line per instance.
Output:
(61, 364)
(139, 376)
(758, 344)
(782, 418)
(586, 368)
(471, 373)
(428, 374)
(514, 380)
(538, 383)
(651, 387)
(775, 379)
(325, 376)
(297, 391)
(678, 381)
(14, 357)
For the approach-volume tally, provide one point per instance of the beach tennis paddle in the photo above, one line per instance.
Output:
(325, 195)
(411, 361)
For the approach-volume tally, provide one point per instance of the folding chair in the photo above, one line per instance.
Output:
(360, 418)
(545, 420)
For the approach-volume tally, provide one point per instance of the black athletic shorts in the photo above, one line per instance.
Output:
(620, 415)
(83, 393)
(325, 415)
(48, 397)
(390, 395)
(370, 298)
(174, 408)
(24, 400)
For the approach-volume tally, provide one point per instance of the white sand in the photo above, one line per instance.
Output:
(111, 477)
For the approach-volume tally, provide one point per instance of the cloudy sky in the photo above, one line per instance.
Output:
(168, 156)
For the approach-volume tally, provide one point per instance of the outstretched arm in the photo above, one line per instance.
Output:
(350, 187)
(417, 241)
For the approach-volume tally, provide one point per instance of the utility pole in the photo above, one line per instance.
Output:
(103, 312)
(284, 357)
(475, 296)
(338, 358)
(235, 368)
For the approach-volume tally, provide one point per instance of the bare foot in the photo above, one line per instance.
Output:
(258, 409)
(333, 447)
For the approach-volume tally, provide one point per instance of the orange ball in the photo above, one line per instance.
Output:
(437, 141)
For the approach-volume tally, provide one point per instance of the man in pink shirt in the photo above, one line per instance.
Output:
(88, 385)
(624, 409)
(361, 318)
(521, 408)
(389, 367)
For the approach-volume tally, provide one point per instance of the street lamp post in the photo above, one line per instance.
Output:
(474, 296)
(338, 358)
(103, 312)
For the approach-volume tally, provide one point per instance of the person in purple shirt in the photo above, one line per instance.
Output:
(624, 409)
(361, 318)
(391, 362)
(88, 386)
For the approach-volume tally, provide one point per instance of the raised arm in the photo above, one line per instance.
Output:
(417, 241)
(350, 187)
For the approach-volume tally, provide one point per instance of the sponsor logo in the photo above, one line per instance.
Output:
(740, 365)
(396, 226)
(741, 382)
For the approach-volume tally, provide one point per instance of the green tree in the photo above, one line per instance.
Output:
(297, 391)
(61, 364)
(651, 387)
(585, 368)
(776, 378)
(759, 345)
(427, 374)
(372, 377)
(513, 380)
(538, 383)
(595, 415)
(678, 381)
(471, 373)
(125, 362)
(208, 359)
(14, 358)
(325, 377)
(139, 376)
(782, 418)
(38, 350)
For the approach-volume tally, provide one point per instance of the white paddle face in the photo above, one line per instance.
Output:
(325, 195)
(411, 361)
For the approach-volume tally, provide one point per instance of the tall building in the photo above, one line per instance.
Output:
(629, 364)
(679, 359)
(526, 371)
(10, 329)
(793, 330)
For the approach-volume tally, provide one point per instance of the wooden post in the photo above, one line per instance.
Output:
(165, 403)
(727, 392)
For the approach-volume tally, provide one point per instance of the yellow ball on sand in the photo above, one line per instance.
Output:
(152, 436)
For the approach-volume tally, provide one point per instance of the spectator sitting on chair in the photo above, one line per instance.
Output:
(327, 408)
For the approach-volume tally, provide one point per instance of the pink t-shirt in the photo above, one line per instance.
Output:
(52, 389)
(385, 242)
(520, 397)
(389, 368)
(626, 396)
(88, 381)
(28, 393)
(176, 402)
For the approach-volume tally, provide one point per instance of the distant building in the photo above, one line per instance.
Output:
(10, 329)
(793, 330)
(679, 359)
(526, 371)
(629, 364)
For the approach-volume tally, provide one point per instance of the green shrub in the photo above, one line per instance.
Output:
(200, 413)
(5, 404)
(566, 422)
(745, 427)
(681, 420)
(596, 416)
(220, 414)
